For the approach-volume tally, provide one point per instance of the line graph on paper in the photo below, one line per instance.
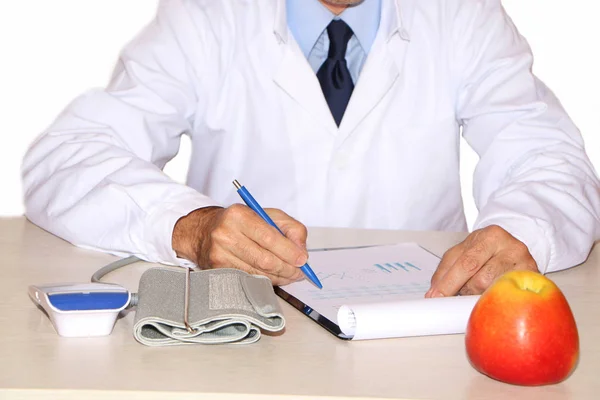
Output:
(371, 274)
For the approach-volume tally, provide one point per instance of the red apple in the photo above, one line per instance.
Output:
(522, 331)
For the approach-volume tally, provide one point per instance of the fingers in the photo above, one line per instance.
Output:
(226, 259)
(472, 266)
(478, 249)
(269, 238)
(448, 260)
(505, 261)
(291, 228)
(265, 261)
(242, 237)
(495, 267)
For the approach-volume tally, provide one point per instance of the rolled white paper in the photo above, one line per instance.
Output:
(422, 317)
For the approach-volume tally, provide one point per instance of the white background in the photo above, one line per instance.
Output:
(51, 51)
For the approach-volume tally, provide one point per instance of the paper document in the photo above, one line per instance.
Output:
(378, 292)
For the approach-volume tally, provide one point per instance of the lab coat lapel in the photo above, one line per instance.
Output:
(295, 76)
(383, 64)
(377, 77)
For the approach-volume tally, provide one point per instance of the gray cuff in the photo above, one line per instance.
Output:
(225, 306)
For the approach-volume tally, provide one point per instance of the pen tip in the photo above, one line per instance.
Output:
(236, 184)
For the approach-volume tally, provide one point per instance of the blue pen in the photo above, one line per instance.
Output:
(253, 204)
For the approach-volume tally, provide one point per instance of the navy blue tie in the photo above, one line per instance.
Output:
(334, 76)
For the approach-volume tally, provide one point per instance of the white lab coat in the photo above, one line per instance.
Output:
(229, 74)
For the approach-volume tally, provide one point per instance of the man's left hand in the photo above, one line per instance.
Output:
(470, 267)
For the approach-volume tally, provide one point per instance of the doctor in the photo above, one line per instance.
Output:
(342, 113)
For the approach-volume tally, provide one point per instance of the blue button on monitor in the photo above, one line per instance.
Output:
(88, 301)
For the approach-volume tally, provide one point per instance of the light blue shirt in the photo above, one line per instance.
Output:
(308, 20)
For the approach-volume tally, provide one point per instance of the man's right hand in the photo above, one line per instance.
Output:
(236, 237)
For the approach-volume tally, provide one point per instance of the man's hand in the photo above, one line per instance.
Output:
(470, 267)
(236, 237)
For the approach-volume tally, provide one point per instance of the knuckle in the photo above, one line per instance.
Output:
(448, 258)
(454, 250)
(519, 254)
(450, 255)
(215, 258)
(219, 235)
(468, 290)
(267, 237)
(469, 263)
(265, 262)
(494, 231)
(479, 247)
(482, 281)
(464, 291)
(521, 248)
(246, 268)
(235, 211)
(474, 237)
(274, 212)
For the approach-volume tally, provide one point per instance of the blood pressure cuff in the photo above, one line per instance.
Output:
(224, 306)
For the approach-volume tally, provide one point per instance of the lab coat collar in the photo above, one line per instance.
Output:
(393, 24)
(382, 67)
(307, 19)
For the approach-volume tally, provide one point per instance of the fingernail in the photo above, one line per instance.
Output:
(437, 294)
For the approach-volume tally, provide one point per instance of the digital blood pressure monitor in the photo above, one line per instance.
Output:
(82, 309)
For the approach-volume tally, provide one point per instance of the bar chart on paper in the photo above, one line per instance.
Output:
(389, 267)
(363, 275)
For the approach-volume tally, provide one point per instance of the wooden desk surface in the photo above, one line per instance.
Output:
(305, 362)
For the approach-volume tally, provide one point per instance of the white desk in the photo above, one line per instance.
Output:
(304, 362)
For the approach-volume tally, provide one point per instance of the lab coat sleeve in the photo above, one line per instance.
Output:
(95, 176)
(533, 177)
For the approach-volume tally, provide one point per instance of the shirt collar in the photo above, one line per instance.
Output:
(307, 19)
